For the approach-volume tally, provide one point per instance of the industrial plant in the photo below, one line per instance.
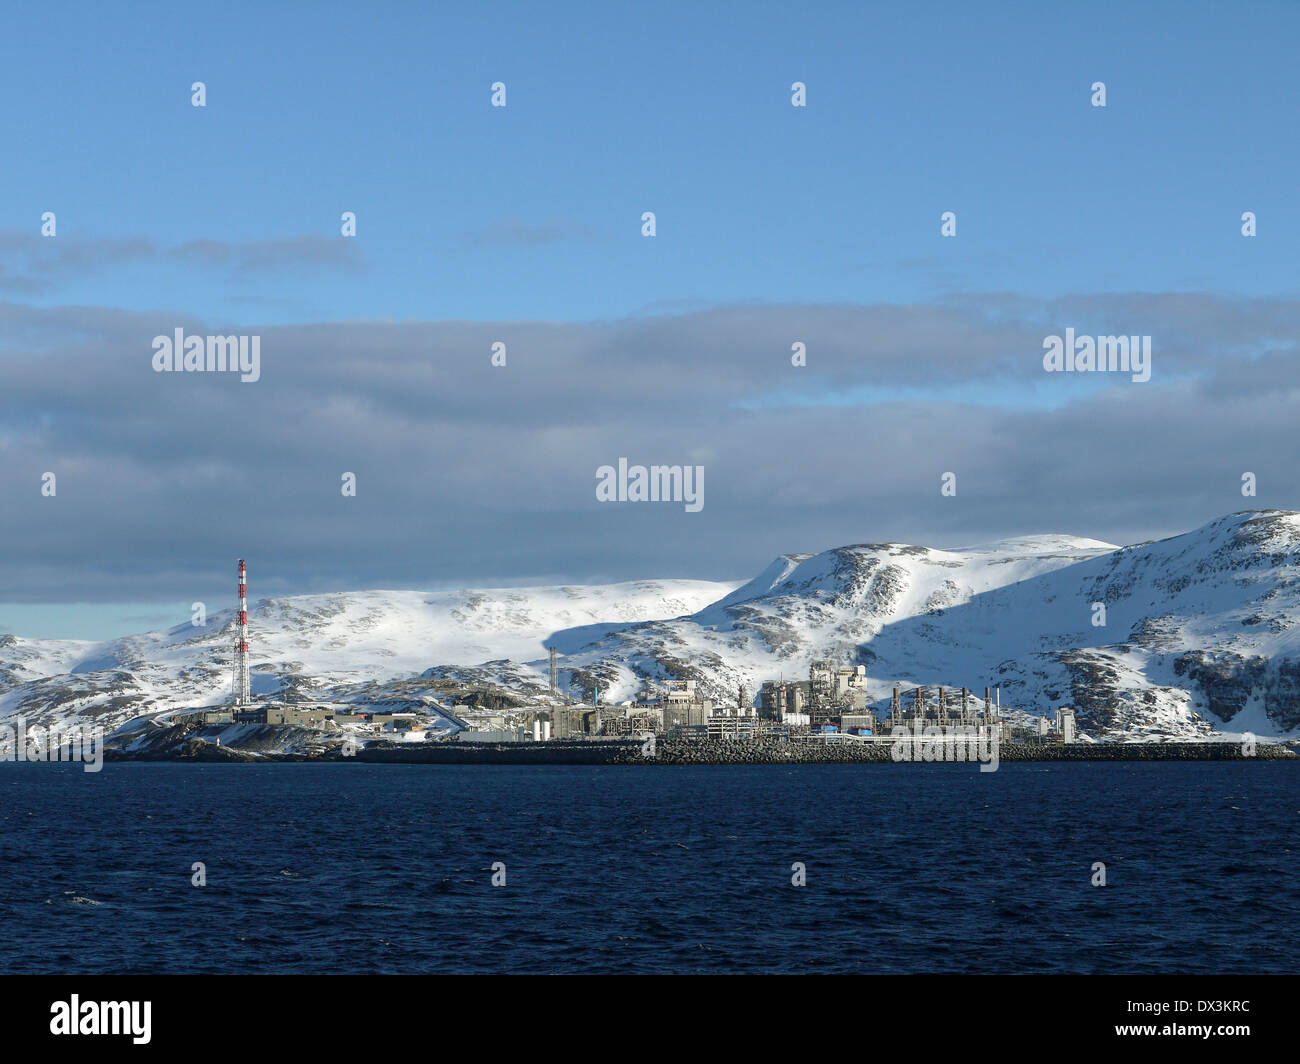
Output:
(399, 721)
(832, 705)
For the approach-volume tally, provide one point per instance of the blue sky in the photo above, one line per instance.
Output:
(479, 223)
(533, 211)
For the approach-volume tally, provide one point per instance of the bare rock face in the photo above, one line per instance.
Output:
(1230, 681)
(1226, 679)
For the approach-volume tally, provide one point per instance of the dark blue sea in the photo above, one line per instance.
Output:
(354, 868)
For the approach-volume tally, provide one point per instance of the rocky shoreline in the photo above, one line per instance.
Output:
(263, 745)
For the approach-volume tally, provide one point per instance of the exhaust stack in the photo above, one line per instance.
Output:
(242, 694)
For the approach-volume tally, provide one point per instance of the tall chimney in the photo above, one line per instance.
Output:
(242, 694)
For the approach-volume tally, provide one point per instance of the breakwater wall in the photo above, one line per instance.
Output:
(554, 752)
(768, 752)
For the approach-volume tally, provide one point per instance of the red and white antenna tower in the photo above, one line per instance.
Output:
(241, 646)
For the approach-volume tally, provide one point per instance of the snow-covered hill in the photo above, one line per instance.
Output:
(1199, 631)
(320, 643)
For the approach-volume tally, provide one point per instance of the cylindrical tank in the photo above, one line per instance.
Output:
(537, 731)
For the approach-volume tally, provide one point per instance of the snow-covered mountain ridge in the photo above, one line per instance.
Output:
(322, 645)
(1172, 637)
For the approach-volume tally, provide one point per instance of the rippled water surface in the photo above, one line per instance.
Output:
(387, 868)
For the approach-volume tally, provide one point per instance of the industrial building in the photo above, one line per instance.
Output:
(740, 721)
(683, 705)
(1062, 728)
(571, 721)
(1065, 723)
(785, 701)
(833, 701)
(819, 702)
(680, 705)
